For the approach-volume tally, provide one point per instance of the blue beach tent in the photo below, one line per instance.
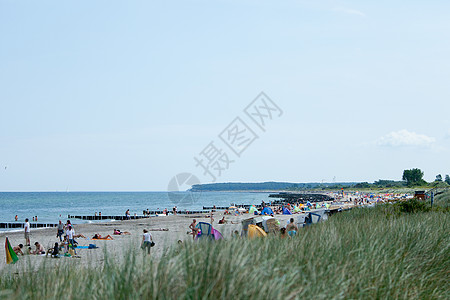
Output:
(286, 211)
(208, 232)
(267, 211)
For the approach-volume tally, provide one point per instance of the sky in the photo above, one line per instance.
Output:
(125, 95)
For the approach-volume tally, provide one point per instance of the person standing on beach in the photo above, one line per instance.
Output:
(147, 240)
(66, 227)
(27, 232)
(60, 231)
(70, 235)
(194, 229)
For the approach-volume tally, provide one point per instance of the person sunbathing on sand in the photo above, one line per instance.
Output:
(223, 221)
(118, 232)
(99, 237)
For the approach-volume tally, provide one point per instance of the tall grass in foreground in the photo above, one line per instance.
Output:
(364, 253)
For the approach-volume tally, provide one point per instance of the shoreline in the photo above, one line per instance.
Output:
(177, 225)
(177, 230)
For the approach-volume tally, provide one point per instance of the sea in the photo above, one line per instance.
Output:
(50, 207)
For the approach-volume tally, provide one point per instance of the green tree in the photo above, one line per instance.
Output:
(362, 185)
(413, 177)
(447, 179)
(438, 177)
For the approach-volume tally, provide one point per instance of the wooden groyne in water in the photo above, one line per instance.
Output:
(21, 225)
(246, 206)
(122, 218)
(99, 218)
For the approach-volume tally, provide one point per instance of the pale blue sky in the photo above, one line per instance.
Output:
(121, 95)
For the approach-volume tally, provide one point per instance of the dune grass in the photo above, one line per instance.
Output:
(365, 253)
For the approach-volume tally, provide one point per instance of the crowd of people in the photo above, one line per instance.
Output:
(67, 241)
(68, 238)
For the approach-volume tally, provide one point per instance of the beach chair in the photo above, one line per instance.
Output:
(314, 218)
(322, 213)
(317, 216)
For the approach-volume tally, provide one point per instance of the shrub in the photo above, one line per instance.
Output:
(413, 206)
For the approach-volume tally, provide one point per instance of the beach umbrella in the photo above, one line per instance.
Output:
(232, 207)
(11, 256)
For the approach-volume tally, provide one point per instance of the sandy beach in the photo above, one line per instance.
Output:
(177, 225)
(166, 232)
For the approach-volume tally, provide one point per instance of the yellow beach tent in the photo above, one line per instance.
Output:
(255, 231)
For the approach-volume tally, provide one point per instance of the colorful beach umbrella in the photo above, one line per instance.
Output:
(11, 256)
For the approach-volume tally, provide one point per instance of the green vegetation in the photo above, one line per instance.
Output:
(387, 252)
(413, 177)
(263, 186)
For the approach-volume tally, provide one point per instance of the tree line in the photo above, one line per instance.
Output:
(411, 178)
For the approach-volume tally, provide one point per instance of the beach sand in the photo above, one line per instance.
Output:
(177, 225)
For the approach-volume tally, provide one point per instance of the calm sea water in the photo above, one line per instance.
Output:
(50, 207)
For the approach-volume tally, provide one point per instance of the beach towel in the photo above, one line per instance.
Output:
(91, 246)
(11, 256)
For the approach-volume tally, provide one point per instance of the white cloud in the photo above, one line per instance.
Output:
(350, 11)
(405, 138)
